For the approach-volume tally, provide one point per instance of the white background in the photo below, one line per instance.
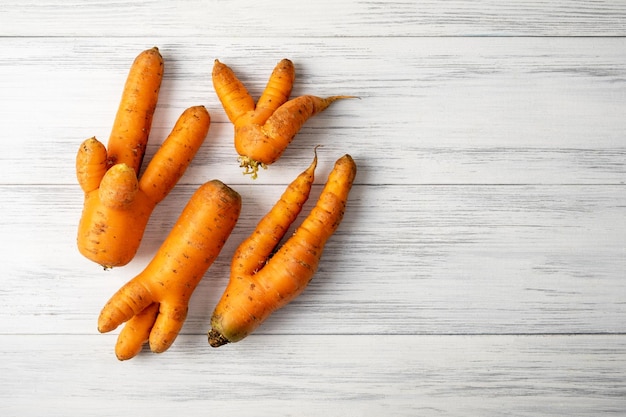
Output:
(479, 269)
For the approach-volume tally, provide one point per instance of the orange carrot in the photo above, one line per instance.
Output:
(117, 205)
(136, 332)
(276, 92)
(263, 131)
(154, 304)
(261, 283)
(91, 164)
(261, 145)
(131, 128)
(232, 93)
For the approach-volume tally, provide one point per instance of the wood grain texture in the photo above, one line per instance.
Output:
(479, 269)
(465, 110)
(327, 18)
(411, 259)
(321, 376)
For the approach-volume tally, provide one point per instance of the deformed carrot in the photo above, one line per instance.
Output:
(117, 204)
(154, 304)
(263, 131)
(261, 283)
(261, 145)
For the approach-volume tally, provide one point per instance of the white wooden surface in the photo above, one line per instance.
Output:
(480, 266)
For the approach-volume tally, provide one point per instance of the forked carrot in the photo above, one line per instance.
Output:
(261, 283)
(117, 205)
(263, 131)
(154, 304)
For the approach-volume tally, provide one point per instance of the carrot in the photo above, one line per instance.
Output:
(232, 93)
(263, 131)
(91, 164)
(154, 304)
(276, 92)
(131, 127)
(261, 283)
(262, 145)
(136, 332)
(117, 205)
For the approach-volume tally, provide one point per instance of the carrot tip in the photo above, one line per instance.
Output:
(333, 98)
(216, 339)
(251, 167)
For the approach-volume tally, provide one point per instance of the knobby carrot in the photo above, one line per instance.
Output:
(263, 131)
(261, 283)
(154, 304)
(117, 204)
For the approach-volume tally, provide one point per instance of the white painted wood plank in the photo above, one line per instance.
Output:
(405, 260)
(318, 376)
(450, 111)
(480, 266)
(319, 18)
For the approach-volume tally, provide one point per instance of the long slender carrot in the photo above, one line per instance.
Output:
(261, 283)
(253, 253)
(154, 303)
(133, 121)
(116, 212)
(263, 131)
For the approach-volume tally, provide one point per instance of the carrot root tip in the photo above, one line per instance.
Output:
(216, 339)
(251, 167)
(343, 97)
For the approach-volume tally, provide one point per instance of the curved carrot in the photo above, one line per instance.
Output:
(116, 213)
(168, 281)
(131, 128)
(263, 131)
(258, 286)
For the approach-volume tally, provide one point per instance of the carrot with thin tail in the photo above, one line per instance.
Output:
(261, 283)
(263, 131)
(154, 304)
